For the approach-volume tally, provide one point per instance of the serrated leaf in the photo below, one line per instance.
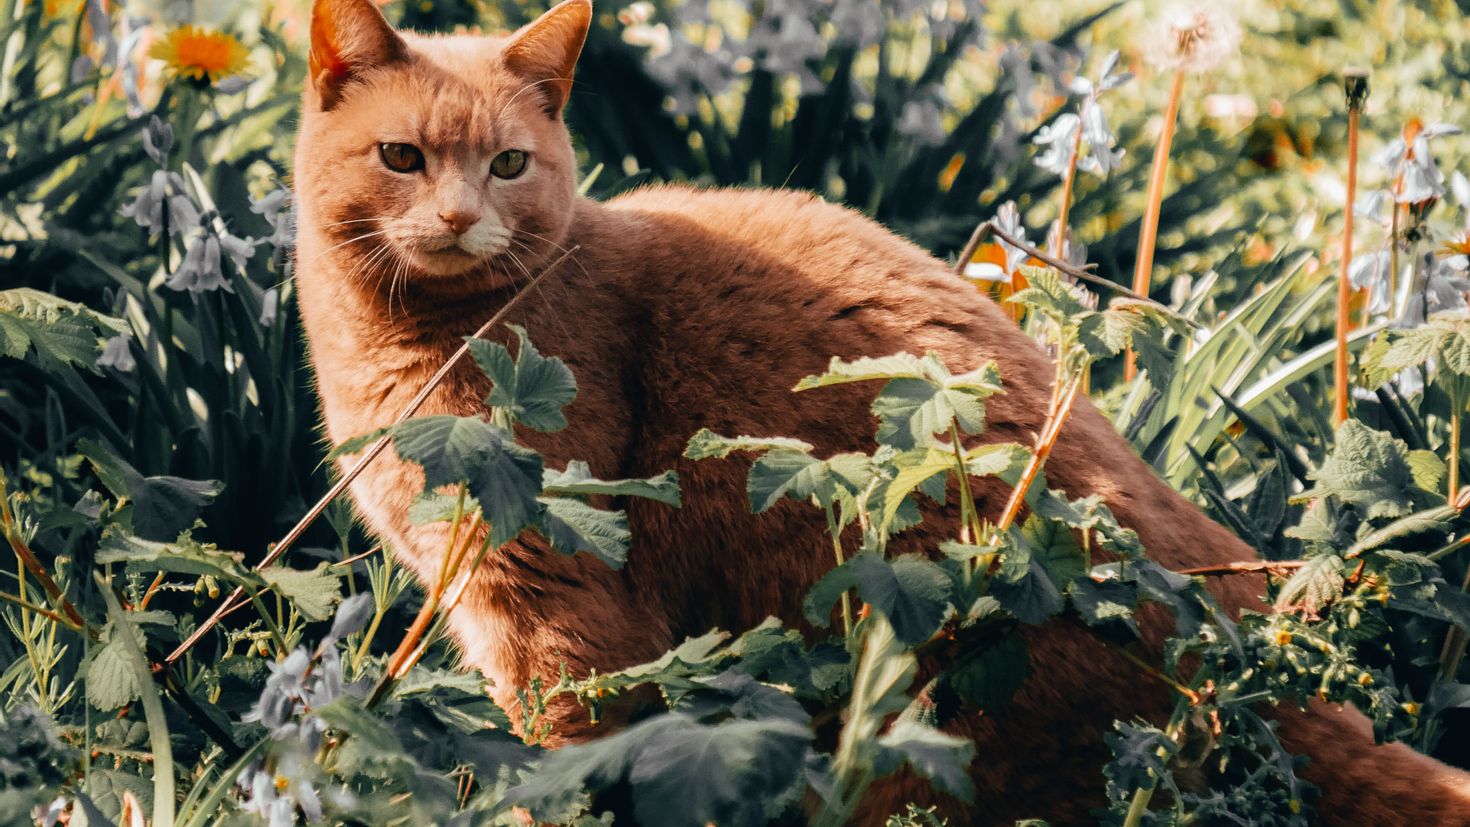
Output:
(572, 526)
(1140, 756)
(181, 557)
(867, 369)
(1368, 469)
(531, 389)
(800, 476)
(1052, 545)
(707, 444)
(911, 591)
(987, 677)
(437, 507)
(942, 758)
(1398, 350)
(1032, 597)
(577, 480)
(1427, 469)
(912, 469)
(504, 477)
(110, 681)
(1105, 602)
(314, 593)
(161, 506)
(1317, 583)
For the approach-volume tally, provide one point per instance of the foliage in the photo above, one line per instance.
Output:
(159, 426)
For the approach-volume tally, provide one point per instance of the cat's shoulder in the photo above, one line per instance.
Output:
(723, 205)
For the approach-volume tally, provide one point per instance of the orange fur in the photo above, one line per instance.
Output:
(685, 309)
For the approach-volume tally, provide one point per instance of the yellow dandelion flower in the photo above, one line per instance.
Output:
(200, 54)
(1283, 637)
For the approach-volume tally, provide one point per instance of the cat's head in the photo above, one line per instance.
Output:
(436, 155)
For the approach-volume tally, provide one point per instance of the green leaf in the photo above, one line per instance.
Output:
(1368, 469)
(1398, 350)
(532, 389)
(911, 470)
(1051, 543)
(504, 477)
(1048, 295)
(110, 681)
(314, 593)
(183, 557)
(1101, 603)
(572, 526)
(1427, 469)
(727, 774)
(800, 476)
(910, 590)
(707, 444)
(1317, 583)
(161, 506)
(1031, 597)
(61, 332)
(358, 443)
(1140, 756)
(437, 507)
(987, 677)
(866, 369)
(942, 758)
(577, 480)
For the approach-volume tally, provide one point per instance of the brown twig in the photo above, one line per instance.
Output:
(1245, 567)
(1048, 438)
(1148, 232)
(988, 228)
(11, 529)
(1355, 84)
(233, 602)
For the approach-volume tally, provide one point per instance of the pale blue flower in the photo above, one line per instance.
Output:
(201, 271)
(1422, 179)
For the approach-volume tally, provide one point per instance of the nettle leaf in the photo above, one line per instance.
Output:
(1028, 593)
(987, 677)
(1048, 295)
(722, 774)
(504, 477)
(1427, 469)
(1106, 602)
(572, 526)
(578, 481)
(736, 694)
(942, 758)
(911, 591)
(61, 332)
(438, 507)
(707, 444)
(358, 443)
(161, 506)
(910, 471)
(182, 557)
(1140, 756)
(1051, 543)
(800, 476)
(531, 389)
(1368, 469)
(313, 592)
(921, 398)
(1313, 586)
(1399, 350)
(111, 682)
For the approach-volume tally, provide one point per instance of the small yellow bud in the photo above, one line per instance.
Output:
(1411, 708)
(1283, 638)
(1365, 679)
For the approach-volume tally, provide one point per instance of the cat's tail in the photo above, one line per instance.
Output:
(1364, 785)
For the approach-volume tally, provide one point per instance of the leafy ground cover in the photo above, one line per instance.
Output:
(160, 434)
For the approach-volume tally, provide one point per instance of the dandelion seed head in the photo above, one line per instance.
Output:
(1194, 37)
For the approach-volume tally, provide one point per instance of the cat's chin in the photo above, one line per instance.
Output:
(445, 263)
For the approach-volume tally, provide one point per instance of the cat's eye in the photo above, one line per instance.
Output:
(401, 157)
(508, 164)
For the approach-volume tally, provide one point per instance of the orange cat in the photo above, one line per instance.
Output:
(434, 174)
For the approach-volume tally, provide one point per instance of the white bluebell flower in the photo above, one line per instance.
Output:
(270, 305)
(1372, 206)
(117, 354)
(1413, 164)
(165, 190)
(158, 139)
(1370, 272)
(201, 271)
(1058, 137)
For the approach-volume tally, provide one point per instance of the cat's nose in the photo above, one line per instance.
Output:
(460, 221)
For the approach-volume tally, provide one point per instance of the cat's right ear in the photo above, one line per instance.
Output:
(347, 38)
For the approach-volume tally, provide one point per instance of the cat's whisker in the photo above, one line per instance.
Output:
(522, 90)
(352, 240)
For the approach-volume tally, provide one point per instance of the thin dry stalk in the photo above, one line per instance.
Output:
(1149, 231)
(1355, 84)
(234, 601)
(1056, 418)
(12, 531)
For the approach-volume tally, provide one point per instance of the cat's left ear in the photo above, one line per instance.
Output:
(545, 51)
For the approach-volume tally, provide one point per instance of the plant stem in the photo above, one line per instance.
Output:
(1344, 286)
(836, 533)
(158, 737)
(1453, 460)
(1141, 796)
(1060, 250)
(968, 515)
(12, 532)
(1149, 230)
(1044, 443)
